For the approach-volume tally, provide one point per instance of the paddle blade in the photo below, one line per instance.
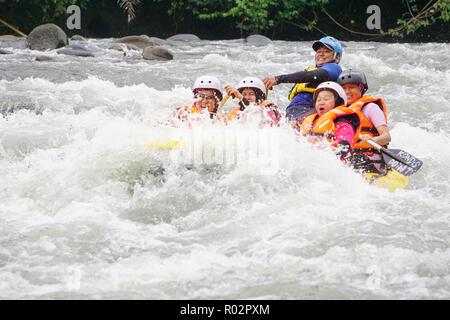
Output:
(401, 161)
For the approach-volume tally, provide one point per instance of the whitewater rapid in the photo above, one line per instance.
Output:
(90, 209)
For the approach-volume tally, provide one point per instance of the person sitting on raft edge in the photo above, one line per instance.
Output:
(252, 90)
(328, 55)
(207, 92)
(373, 123)
(333, 120)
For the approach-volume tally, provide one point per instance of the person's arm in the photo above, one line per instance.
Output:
(383, 138)
(318, 75)
(232, 91)
(374, 114)
(303, 76)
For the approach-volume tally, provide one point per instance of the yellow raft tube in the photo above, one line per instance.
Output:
(391, 180)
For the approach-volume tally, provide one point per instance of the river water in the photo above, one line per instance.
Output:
(94, 205)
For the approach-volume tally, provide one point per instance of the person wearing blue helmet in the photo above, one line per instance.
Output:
(328, 55)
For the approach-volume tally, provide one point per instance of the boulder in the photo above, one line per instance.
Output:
(77, 37)
(43, 58)
(10, 41)
(139, 41)
(9, 37)
(184, 37)
(76, 50)
(47, 36)
(5, 51)
(76, 47)
(258, 40)
(158, 41)
(120, 47)
(157, 53)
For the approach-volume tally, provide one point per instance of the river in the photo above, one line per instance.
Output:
(88, 210)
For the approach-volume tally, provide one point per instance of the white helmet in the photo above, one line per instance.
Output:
(254, 83)
(208, 82)
(333, 86)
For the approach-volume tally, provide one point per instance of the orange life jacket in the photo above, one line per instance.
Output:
(234, 113)
(183, 112)
(325, 126)
(366, 126)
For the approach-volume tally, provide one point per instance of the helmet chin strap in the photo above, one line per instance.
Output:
(213, 113)
(335, 57)
(362, 89)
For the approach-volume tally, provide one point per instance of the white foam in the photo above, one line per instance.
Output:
(85, 189)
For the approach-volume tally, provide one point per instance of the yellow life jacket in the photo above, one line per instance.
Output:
(301, 87)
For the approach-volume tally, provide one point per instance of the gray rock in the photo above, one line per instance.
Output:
(120, 47)
(76, 52)
(44, 58)
(258, 40)
(76, 47)
(139, 41)
(5, 51)
(184, 37)
(158, 41)
(10, 41)
(77, 37)
(47, 36)
(9, 37)
(157, 53)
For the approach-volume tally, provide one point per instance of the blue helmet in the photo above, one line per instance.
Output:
(330, 43)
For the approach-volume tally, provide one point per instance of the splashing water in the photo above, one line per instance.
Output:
(90, 208)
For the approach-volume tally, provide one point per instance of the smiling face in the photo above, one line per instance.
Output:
(324, 55)
(249, 94)
(206, 99)
(353, 92)
(325, 101)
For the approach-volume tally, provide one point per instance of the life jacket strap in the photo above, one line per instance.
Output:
(372, 130)
(362, 150)
(321, 134)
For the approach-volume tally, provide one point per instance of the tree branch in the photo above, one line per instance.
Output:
(128, 6)
(349, 30)
(12, 28)
(425, 13)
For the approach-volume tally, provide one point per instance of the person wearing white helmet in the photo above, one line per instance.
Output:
(207, 92)
(328, 55)
(334, 121)
(252, 90)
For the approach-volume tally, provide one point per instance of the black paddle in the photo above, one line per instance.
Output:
(399, 160)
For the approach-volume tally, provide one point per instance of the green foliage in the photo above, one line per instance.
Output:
(253, 16)
(229, 17)
(444, 7)
(423, 17)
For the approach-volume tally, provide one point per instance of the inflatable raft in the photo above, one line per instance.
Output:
(391, 180)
